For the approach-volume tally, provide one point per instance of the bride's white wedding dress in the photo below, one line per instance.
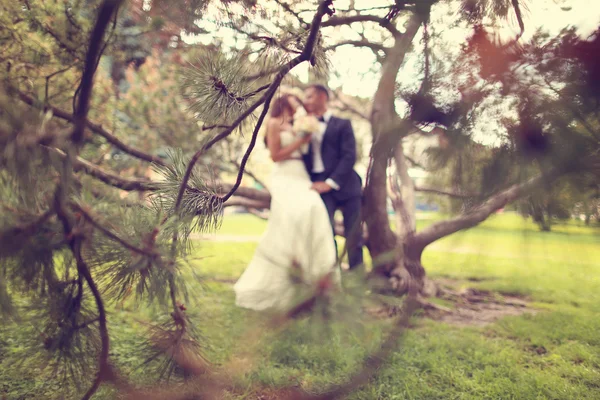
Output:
(297, 248)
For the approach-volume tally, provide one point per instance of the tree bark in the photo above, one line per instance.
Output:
(383, 241)
(481, 213)
(407, 275)
(408, 218)
(385, 133)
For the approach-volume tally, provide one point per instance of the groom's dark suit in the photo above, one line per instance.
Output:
(333, 162)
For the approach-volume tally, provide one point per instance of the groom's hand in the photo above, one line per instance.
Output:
(321, 187)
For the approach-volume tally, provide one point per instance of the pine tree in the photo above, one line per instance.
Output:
(69, 246)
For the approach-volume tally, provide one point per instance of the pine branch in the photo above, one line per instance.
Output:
(116, 181)
(242, 168)
(52, 75)
(28, 228)
(78, 90)
(266, 98)
(255, 92)
(443, 192)
(111, 235)
(210, 127)
(105, 13)
(358, 43)
(109, 178)
(84, 271)
(98, 129)
(519, 15)
(249, 173)
(415, 163)
(352, 109)
(75, 241)
(268, 40)
(249, 193)
(289, 9)
(348, 20)
(87, 323)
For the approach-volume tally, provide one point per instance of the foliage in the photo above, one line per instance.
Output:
(72, 249)
(554, 351)
(554, 122)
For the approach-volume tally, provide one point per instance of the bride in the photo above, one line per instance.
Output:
(297, 248)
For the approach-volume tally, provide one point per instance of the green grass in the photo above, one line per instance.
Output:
(242, 224)
(554, 354)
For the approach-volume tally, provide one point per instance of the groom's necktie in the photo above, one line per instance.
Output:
(322, 118)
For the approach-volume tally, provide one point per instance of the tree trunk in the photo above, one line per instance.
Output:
(587, 209)
(403, 199)
(382, 241)
(538, 213)
(407, 219)
(387, 132)
(545, 224)
(412, 263)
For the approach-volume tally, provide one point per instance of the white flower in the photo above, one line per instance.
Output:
(306, 124)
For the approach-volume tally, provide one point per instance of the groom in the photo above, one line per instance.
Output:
(330, 161)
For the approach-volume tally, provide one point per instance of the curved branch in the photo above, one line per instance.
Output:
(108, 177)
(111, 235)
(445, 193)
(289, 9)
(266, 98)
(110, 138)
(472, 218)
(519, 15)
(105, 12)
(414, 162)
(242, 167)
(250, 174)
(112, 179)
(350, 19)
(349, 107)
(248, 193)
(383, 101)
(358, 43)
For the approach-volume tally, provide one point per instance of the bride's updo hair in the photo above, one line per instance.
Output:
(282, 104)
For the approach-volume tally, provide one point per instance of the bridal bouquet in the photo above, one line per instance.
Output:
(306, 124)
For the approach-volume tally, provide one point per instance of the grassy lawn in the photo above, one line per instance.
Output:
(554, 354)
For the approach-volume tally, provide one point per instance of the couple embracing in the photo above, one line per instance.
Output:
(314, 154)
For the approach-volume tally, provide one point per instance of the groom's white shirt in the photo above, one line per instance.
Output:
(317, 141)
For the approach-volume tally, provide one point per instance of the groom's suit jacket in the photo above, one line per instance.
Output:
(338, 152)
